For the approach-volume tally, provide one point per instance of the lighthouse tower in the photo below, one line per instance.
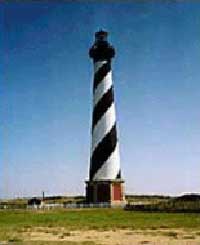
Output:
(105, 183)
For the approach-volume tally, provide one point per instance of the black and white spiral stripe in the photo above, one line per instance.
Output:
(105, 161)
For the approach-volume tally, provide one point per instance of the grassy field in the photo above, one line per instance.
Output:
(97, 219)
(14, 223)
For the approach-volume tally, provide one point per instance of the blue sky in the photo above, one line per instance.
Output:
(46, 94)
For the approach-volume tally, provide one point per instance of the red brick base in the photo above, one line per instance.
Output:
(111, 191)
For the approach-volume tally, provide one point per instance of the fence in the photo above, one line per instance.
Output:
(60, 206)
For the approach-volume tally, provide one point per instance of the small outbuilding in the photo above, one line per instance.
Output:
(34, 202)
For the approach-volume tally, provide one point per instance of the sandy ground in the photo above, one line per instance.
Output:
(115, 237)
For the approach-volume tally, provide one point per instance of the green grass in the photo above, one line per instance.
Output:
(97, 219)
(13, 223)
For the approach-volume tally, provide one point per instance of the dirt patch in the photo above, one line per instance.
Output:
(114, 237)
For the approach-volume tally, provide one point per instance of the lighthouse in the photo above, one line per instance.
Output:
(105, 183)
